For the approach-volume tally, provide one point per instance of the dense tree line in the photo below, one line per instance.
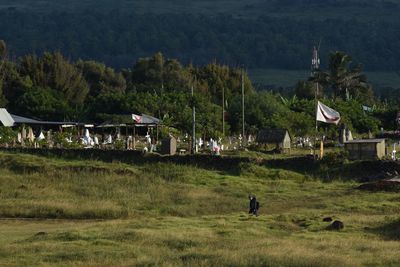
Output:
(116, 37)
(51, 87)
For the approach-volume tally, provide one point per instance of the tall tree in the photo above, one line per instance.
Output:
(101, 79)
(53, 71)
(343, 79)
(43, 104)
(158, 74)
(3, 53)
(215, 78)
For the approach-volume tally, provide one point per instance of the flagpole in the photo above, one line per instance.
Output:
(316, 121)
(315, 63)
(194, 123)
(243, 137)
(223, 112)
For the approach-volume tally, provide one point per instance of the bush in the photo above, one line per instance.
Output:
(7, 135)
(335, 158)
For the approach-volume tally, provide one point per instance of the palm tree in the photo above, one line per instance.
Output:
(342, 79)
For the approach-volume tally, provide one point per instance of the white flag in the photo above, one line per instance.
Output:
(137, 118)
(326, 114)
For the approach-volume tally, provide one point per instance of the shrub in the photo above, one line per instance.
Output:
(335, 158)
(7, 135)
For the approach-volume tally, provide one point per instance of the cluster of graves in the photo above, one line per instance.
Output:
(129, 131)
(133, 132)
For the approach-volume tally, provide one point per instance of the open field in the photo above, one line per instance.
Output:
(91, 213)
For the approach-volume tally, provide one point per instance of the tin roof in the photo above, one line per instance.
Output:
(358, 141)
(126, 120)
(5, 118)
(10, 120)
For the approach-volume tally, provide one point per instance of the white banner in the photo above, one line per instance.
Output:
(137, 118)
(326, 114)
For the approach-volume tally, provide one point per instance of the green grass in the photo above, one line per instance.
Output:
(90, 213)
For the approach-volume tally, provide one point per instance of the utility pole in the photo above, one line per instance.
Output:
(315, 63)
(243, 133)
(162, 86)
(223, 111)
(194, 122)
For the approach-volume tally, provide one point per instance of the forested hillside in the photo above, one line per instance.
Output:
(258, 34)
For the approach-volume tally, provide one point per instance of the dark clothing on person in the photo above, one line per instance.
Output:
(254, 206)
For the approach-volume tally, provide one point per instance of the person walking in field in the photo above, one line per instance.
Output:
(254, 205)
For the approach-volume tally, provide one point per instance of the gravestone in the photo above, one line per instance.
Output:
(168, 146)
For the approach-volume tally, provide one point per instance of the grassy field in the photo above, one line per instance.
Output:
(90, 213)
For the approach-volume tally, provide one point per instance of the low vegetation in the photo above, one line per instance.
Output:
(65, 212)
